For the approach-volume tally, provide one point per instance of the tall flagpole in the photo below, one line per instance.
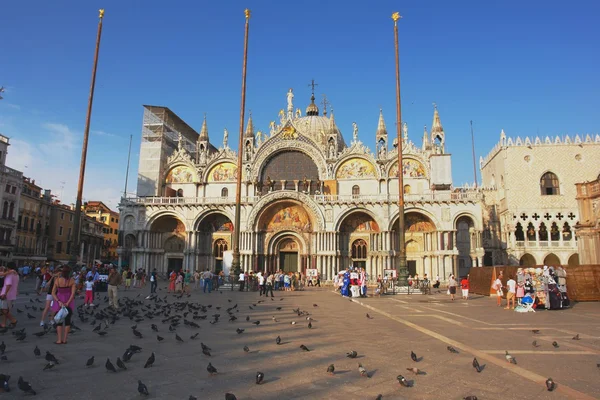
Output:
(473, 149)
(86, 134)
(402, 272)
(235, 264)
(127, 172)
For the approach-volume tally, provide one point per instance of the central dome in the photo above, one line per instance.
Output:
(319, 128)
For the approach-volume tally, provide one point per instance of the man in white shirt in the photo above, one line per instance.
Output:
(261, 284)
(241, 280)
(207, 278)
(511, 284)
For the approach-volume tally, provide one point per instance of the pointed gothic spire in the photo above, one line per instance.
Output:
(204, 130)
(381, 129)
(331, 121)
(249, 127)
(425, 138)
(436, 126)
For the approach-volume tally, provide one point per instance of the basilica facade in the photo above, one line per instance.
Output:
(309, 199)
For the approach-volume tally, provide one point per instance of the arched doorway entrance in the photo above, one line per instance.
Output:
(288, 255)
(464, 232)
(283, 231)
(527, 260)
(419, 238)
(552, 260)
(213, 239)
(168, 233)
(355, 235)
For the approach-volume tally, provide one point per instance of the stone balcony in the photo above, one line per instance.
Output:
(545, 244)
(11, 172)
(441, 197)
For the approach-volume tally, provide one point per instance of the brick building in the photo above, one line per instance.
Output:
(61, 236)
(33, 225)
(100, 212)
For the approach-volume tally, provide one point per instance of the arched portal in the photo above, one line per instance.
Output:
(420, 244)
(283, 230)
(573, 260)
(356, 228)
(213, 238)
(167, 233)
(464, 232)
(552, 260)
(288, 255)
(527, 260)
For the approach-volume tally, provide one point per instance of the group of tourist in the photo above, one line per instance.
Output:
(181, 281)
(352, 282)
(281, 281)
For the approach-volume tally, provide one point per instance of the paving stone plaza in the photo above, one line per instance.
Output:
(397, 325)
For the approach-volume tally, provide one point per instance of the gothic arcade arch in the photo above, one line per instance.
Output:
(212, 236)
(527, 260)
(465, 229)
(356, 226)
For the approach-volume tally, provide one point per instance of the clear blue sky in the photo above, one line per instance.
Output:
(528, 67)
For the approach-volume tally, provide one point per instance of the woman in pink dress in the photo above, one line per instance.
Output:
(63, 294)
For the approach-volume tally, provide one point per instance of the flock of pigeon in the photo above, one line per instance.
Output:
(171, 313)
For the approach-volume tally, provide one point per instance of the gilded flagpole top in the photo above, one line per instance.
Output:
(396, 16)
(247, 13)
(101, 11)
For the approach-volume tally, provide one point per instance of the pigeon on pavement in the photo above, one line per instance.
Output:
(510, 358)
(362, 371)
(90, 362)
(50, 357)
(415, 371)
(402, 381)
(352, 354)
(120, 364)
(413, 356)
(150, 361)
(211, 370)
(25, 386)
(109, 366)
(142, 389)
(331, 369)
(476, 365)
(550, 385)
(259, 378)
